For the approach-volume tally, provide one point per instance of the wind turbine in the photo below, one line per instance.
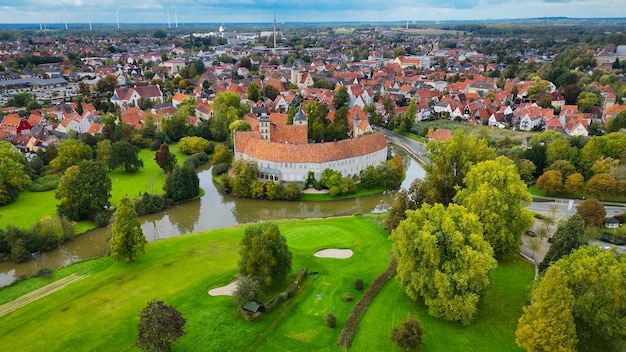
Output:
(89, 16)
(176, 18)
(40, 22)
(169, 24)
(117, 17)
(65, 19)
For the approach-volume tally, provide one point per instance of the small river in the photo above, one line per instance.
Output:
(211, 211)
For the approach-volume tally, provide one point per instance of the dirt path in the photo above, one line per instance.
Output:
(38, 293)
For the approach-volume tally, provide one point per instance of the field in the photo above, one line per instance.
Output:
(428, 31)
(101, 311)
(32, 206)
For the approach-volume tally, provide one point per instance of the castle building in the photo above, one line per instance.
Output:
(283, 154)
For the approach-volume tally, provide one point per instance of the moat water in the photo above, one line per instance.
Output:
(213, 210)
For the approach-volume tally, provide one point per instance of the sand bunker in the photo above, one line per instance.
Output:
(227, 290)
(334, 253)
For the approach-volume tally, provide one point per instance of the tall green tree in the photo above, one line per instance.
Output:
(444, 259)
(104, 151)
(159, 326)
(228, 108)
(495, 192)
(254, 94)
(13, 175)
(548, 323)
(569, 236)
(601, 185)
(617, 123)
(560, 149)
(71, 152)
(264, 254)
(183, 183)
(270, 92)
(450, 161)
(125, 154)
(341, 97)
(84, 191)
(127, 239)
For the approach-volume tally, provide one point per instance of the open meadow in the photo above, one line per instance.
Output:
(32, 206)
(101, 310)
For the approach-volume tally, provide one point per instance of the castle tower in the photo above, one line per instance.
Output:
(264, 127)
(300, 119)
(356, 121)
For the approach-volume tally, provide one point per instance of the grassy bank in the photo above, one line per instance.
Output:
(101, 311)
(32, 206)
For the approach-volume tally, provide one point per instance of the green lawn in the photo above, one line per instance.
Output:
(495, 134)
(32, 206)
(101, 312)
(492, 330)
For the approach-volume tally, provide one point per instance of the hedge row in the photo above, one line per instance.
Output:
(198, 159)
(352, 323)
(291, 291)
(249, 316)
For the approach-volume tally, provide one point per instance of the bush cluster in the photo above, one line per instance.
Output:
(220, 168)
(330, 321)
(45, 183)
(347, 297)
(249, 316)
(388, 175)
(358, 284)
(352, 323)
(150, 203)
(46, 234)
(198, 159)
(291, 291)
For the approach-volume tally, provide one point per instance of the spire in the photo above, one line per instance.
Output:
(274, 32)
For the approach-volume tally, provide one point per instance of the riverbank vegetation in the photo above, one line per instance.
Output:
(196, 263)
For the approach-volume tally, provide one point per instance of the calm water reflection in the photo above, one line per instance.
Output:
(213, 210)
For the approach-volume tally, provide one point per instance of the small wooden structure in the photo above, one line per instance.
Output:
(253, 307)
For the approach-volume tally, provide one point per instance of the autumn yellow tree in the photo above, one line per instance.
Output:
(601, 185)
(574, 183)
(548, 323)
(443, 259)
(550, 181)
(495, 192)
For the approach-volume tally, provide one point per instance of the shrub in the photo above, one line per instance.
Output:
(102, 219)
(409, 335)
(330, 321)
(45, 273)
(248, 315)
(198, 159)
(248, 289)
(284, 296)
(358, 284)
(220, 168)
(347, 297)
(300, 276)
(192, 145)
(273, 303)
(292, 290)
(45, 183)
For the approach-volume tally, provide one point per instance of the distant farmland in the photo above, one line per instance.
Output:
(428, 31)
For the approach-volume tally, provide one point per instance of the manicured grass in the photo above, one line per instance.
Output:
(323, 197)
(32, 206)
(101, 312)
(492, 330)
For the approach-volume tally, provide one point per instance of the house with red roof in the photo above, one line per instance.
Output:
(14, 125)
(126, 97)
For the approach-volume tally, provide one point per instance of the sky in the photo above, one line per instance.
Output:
(262, 11)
